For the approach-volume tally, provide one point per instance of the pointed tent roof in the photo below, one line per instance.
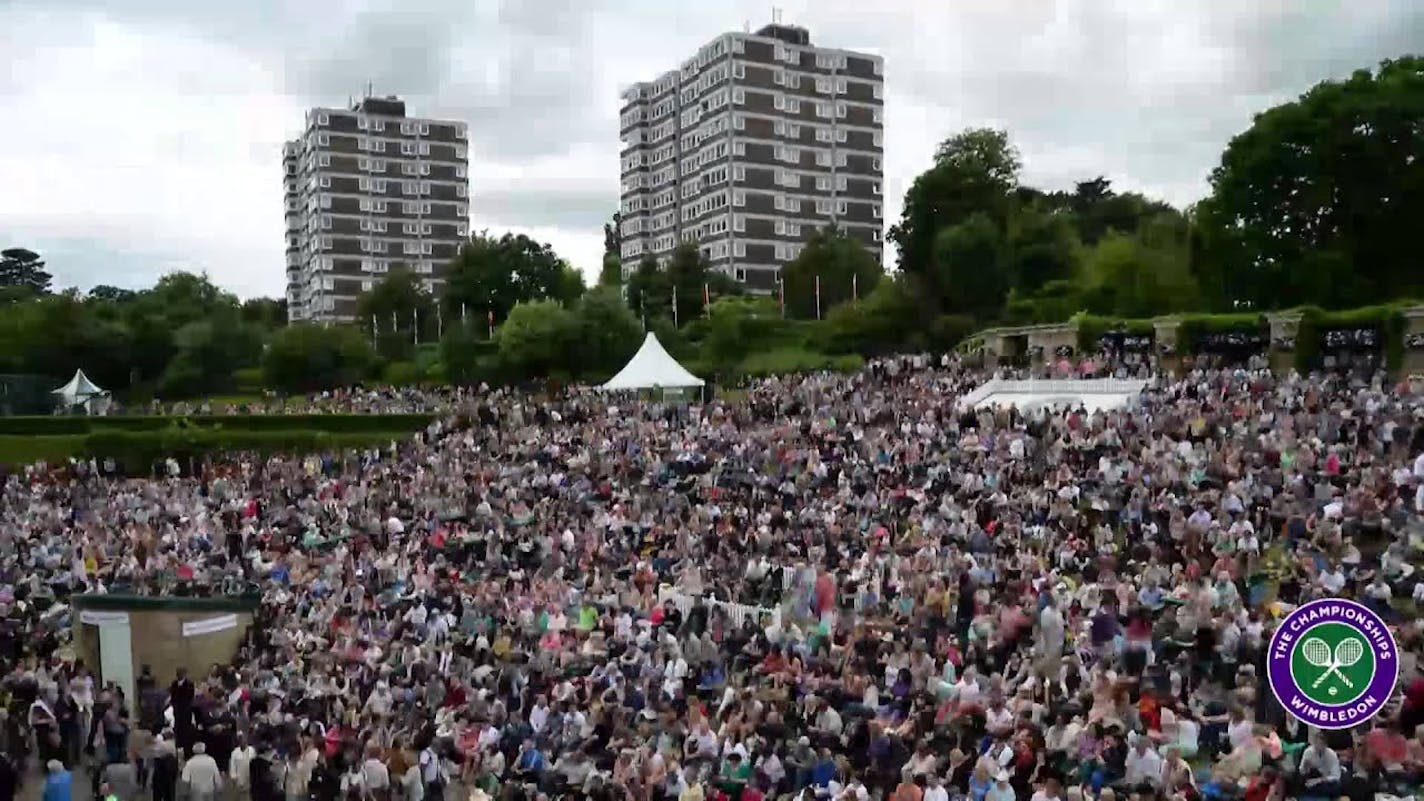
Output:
(652, 367)
(79, 389)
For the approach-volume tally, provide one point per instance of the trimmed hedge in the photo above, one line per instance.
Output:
(796, 360)
(330, 423)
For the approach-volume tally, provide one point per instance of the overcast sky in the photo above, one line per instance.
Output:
(142, 136)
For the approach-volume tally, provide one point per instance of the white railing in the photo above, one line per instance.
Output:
(1052, 386)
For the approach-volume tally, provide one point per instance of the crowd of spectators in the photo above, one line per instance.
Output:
(835, 587)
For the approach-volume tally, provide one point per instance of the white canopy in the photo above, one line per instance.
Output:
(651, 367)
(79, 391)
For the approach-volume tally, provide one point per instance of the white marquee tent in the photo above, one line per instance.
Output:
(80, 391)
(652, 368)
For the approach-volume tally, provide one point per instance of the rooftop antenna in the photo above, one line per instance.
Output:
(746, 26)
(775, 15)
(368, 89)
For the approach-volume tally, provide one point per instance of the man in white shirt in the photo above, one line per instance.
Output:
(1143, 765)
(1318, 773)
(201, 775)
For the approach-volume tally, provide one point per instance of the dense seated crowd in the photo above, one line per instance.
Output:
(832, 587)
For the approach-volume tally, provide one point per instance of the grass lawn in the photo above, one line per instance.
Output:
(52, 448)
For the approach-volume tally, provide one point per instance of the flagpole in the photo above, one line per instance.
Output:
(462, 314)
(781, 295)
(415, 326)
(818, 297)
(854, 287)
(674, 305)
(373, 332)
(491, 323)
(706, 299)
(439, 321)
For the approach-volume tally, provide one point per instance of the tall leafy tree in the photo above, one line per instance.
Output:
(1319, 200)
(307, 357)
(842, 263)
(493, 274)
(22, 274)
(538, 338)
(609, 332)
(650, 289)
(613, 236)
(392, 308)
(974, 173)
(971, 267)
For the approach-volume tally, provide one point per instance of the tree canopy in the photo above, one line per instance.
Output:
(1317, 201)
(494, 274)
(843, 265)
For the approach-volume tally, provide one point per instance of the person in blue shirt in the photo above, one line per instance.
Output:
(530, 763)
(59, 784)
(824, 771)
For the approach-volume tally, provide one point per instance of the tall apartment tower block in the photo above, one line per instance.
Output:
(749, 147)
(368, 189)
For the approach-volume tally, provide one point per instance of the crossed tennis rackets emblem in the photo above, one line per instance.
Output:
(1347, 653)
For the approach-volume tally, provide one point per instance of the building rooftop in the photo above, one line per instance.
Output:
(790, 34)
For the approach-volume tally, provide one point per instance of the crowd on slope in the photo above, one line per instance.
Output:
(834, 587)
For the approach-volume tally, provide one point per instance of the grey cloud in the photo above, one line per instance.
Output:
(565, 210)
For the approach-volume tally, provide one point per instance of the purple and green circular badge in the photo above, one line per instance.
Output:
(1332, 663)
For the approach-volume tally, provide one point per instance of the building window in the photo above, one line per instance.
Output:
(739, 249)
(840, 86)
(324, 201)
(739, 223)
(380, 207)
(738, 96)
(875, 211)
(739, 198)
(324, 182)
(841, 207)
(378, 185)
(739, 172)
(322, 119)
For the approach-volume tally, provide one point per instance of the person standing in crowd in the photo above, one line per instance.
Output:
(59, 783)
(201, 776)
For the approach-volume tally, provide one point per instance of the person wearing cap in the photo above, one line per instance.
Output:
(1000, 790)
(201, 775)
(59, 783)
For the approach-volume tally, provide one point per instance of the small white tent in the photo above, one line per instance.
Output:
(80, 391)
(652, 368)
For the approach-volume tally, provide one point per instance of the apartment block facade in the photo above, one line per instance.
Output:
(749, 147)
(368, 189)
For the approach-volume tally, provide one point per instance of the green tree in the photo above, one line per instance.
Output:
(973, 173)
(884, 321)
(267, 313)
(651, 287)
(207, 353)
(22, 274)
(611, 273)
(843, 264)
(1143, 274)
(538, 339)
(970, 266)
(114, 294)
(735, 326)
(395, 305)
(1318, 201)
(493, 274)
(609, 333)
(307, 357)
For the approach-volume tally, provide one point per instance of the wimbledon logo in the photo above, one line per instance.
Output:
(1332, 663)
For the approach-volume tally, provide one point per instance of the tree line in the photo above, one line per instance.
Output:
(1311, 205)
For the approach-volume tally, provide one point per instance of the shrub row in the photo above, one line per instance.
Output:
(329, 423)
(796, 360)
